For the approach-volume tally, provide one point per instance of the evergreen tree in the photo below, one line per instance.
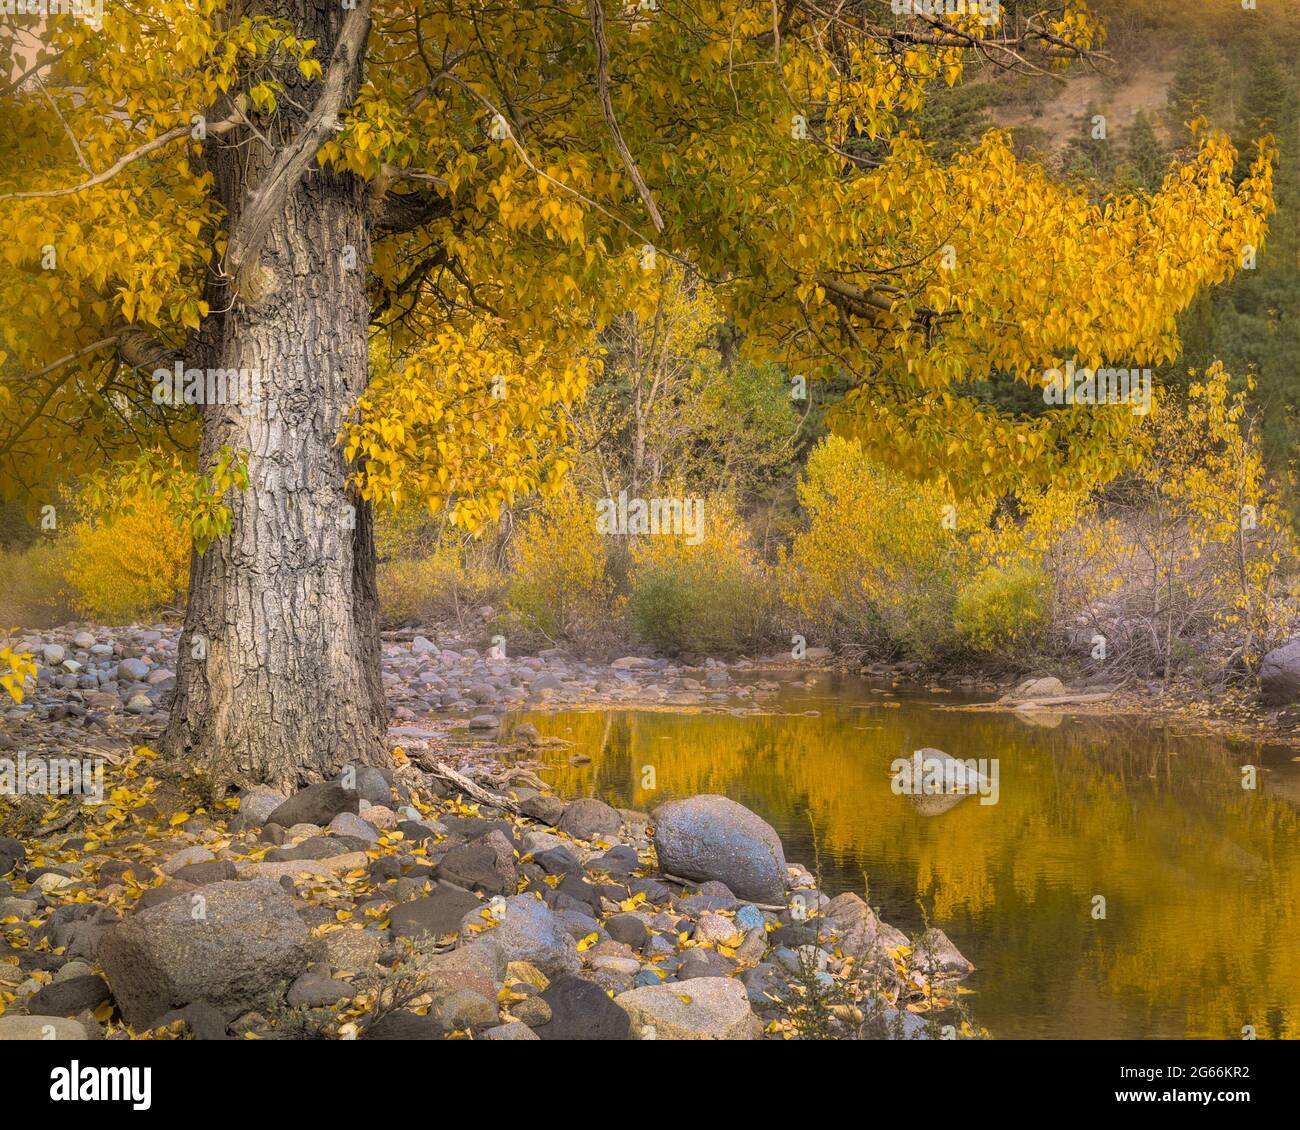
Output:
(1090, 154)
(1196, 89)
(1145, 161)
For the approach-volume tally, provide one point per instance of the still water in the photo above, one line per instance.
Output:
(1201, 878)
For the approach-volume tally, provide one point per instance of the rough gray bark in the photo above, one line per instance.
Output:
(278, 677)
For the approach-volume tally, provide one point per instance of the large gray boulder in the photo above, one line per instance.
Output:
(230, 944)
(711, 837)
(525, 929)
(1279, 675)
(316, 804)
(706, 1008)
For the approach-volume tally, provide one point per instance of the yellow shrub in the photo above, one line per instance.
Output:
(562, 589)
(130, 568)
(1003, 609)
(882, 554)
(436, 589)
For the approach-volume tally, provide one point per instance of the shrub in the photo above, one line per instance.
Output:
(33, 595)
(1003, 609)
(440, 588)
(130, 568)
(876, 564)
(562, 590)
(710, 597)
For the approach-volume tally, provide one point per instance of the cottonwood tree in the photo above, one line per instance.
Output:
(410, 217)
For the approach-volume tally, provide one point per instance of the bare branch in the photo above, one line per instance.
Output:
(122, 162)
(94, 347)
(602, 86)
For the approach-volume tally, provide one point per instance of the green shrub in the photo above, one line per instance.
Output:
(1003, 609)
(694, 605)
(709, 597)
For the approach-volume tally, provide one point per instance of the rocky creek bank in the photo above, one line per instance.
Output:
(391, 905)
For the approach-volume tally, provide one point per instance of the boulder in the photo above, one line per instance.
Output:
(372, 785)
(12, 853)
(354, 950)
(315, 990)
(711, 837)
(349, 824)
(211, 871)
(705, 1008)
(76, 928)
(40, 1028)
(587, 818)
(526, 930)
(485, 864)
(186, 856)
(230, 944)
(438, 914)
(581, 1010)
(254, 809)
(297, 868)
(548, 809)
(854, 922)
(133, 669)
(404, 1025)
(1279, 675)
(203, 1021)
(1048, 686)
(70, 997)
(316, 804)
(936, 955)
(474, 968)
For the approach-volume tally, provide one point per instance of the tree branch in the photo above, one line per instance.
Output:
(267, 201)
(602, 86)
(408, 211)
(122, 162)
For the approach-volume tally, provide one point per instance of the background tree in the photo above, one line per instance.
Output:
(1145, 161)
(671, 405)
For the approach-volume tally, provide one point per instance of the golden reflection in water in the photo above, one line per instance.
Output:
(1201, 877)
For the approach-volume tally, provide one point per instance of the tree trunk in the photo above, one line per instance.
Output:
(278, 677)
